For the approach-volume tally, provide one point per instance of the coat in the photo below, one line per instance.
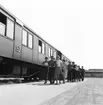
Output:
(58, 69)
(64, 69)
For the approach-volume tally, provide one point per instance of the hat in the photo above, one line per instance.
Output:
(52, 57)
(58, 56)
(46, 57)
(64, 60)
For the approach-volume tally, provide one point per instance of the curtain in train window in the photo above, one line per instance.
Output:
(10, 28)
(40, 46)
(24, 38)
(30, 41)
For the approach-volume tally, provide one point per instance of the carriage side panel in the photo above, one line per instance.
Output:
(17, 44)
(35, 50)
(26, 54)
(6, 47)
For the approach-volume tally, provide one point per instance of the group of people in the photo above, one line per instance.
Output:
(56, 70)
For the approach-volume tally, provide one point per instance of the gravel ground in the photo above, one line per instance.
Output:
(88, 93)
(33, 93)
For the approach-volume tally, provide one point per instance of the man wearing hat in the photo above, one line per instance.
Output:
(51, 70)
(45, 64)
(69, 71)
(82, 73)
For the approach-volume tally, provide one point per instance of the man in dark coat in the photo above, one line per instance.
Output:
(51, 64)
(82, 73)
(73, 72)
(45, 64)
(69, 72)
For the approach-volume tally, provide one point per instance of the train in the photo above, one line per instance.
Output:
(22, 51)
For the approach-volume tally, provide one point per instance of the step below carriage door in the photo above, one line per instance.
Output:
(18, 40)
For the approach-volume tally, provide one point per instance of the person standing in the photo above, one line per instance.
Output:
(64, 70)
(73, 72)
(45, 64)
(66, 63)
(58, 69)
(69, 77)
(51, 64)
(82, 73)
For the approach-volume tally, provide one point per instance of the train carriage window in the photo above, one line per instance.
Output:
(43, 48)
(40, 46)
(2, 29)
(30, 40)
(54, 54)
(49, 52)
(3, 20)
(10, 28)
(24, 38)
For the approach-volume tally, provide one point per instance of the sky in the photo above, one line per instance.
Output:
(75, 27)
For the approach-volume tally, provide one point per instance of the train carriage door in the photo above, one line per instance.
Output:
(17, 44)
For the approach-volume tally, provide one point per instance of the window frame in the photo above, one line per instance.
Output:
(27, 41)
(12, 20)
(26, 38)
(42, 48)
(4, 26)
(29, 34)
(51, 52)
(55, 54)
(7, 28)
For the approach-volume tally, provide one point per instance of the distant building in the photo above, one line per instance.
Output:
(94, 73)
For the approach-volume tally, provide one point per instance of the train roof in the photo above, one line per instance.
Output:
(24, 25)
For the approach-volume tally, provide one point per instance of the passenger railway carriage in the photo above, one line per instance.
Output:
(22, 51)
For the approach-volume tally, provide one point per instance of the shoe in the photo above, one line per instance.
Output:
(45, 82)
(63, 82)
(56, 84)
(51, 83)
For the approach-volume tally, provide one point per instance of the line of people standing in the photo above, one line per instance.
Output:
(75, 73)
(57, 70)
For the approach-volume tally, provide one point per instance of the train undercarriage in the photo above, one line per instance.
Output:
(11, 68)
